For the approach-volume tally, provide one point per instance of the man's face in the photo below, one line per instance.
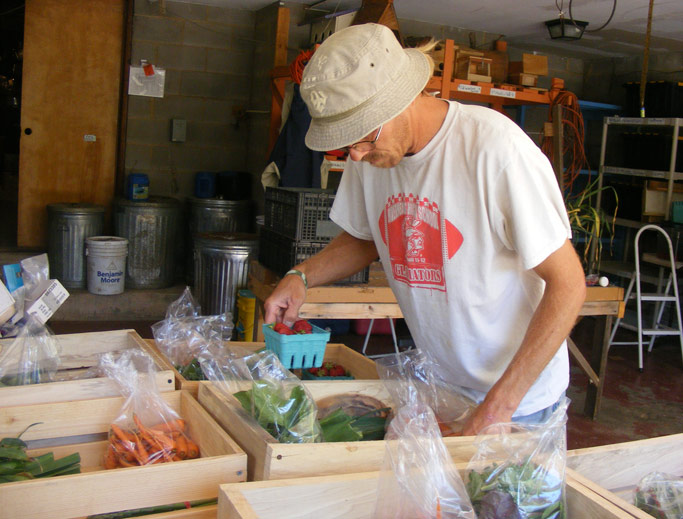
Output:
(392, 144)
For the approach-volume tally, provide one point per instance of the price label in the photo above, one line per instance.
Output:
(503, 93)
(474, 89)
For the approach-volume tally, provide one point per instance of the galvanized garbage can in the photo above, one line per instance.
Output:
(69, 224)
(216, 215)
(221, 267)
(153, 229)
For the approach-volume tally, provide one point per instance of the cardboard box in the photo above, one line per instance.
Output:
(361, 367)
(79, 352)
(613, 471)
(531, 64)
(97, 490)
(270, 459)
(353, 496)
(523, 79)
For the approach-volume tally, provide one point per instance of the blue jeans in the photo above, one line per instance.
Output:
(541, 416)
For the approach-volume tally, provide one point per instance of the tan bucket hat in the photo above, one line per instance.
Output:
(358, 79)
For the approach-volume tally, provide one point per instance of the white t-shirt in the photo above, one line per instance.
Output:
(458, 226)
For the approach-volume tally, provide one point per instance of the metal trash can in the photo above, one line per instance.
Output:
(216, 215)
(221, 267)
(154, 238)
(69, 224)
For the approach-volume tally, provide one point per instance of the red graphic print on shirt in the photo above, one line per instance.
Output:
(419, 240)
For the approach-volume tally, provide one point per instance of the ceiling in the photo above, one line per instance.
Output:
(521, 21)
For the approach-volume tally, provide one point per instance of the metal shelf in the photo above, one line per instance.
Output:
(645, 121)
(649, 173)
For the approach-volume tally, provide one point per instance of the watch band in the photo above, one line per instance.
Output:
(300, 274)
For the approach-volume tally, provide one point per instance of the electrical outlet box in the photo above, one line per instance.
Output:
(178, 130)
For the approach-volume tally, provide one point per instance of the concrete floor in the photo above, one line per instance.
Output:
(634, 406)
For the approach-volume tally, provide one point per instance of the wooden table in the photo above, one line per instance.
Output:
(377, 301)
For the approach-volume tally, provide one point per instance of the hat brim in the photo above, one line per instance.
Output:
(331, 133)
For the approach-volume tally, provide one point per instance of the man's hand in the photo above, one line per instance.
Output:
(282, 306)
(483, 416)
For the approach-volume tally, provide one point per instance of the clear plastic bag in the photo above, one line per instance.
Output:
(266, 389)
(419, 479)
(183, 334)
(147, 429)
(660, 495)
(31, 358)
(450, 407)
(518, 471)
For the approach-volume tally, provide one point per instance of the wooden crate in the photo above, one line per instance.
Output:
(361, 367)
(270, 459)
(353, 496)
(613, 471)
(97, 490)
(78, 353)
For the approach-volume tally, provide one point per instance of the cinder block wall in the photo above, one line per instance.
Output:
(207, 53)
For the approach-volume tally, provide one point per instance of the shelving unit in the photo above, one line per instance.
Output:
(671, 176)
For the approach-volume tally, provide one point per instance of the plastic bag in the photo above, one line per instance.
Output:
(31, 358)
(451, 408)
(518, 471)
(419, 479)
(184, 333)
(660, 495)
(266, 389)
(147, 429)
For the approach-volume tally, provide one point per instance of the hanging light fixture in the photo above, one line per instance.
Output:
(563, 29)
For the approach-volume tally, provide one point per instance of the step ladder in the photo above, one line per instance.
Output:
(666, 293)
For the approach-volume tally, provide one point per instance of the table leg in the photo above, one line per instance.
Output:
(600, 350)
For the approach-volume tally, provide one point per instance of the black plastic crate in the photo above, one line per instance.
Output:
(280, 253)
(302, 214)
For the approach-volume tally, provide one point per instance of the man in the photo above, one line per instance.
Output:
(463, 210)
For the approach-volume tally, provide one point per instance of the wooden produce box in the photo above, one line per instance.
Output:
(78, 353)
(535, 64)
(270, 459)
(361, 367)
(353, 496)
(97, 490)
(613, 471)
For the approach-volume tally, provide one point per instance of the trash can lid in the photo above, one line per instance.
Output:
(75, 208)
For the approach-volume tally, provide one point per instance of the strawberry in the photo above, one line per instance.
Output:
(337, 371)
(313, 371)
(322, 372)
(283, 329)
(302, 326)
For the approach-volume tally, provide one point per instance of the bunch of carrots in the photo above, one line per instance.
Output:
(144, 445)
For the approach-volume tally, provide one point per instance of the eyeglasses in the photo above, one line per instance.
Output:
(364, 146)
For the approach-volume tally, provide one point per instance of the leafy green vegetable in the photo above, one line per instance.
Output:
(191, 371)
(535, 493)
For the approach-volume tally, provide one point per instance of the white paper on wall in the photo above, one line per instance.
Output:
(146, 80)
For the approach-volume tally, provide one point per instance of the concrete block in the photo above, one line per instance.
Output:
(186, 156)
(206, 84)
(186, 11)
(230, 61)
(181, 57)
(231, 16)
(148, 28)
(139, 107)
(174, 106)
(207, 34)
(138, 155)
(207, 134)
(172, 83)
(143, 50)
(218, 110)
(147, 131)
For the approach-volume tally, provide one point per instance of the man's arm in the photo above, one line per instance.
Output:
(341, 258)
(565, 292)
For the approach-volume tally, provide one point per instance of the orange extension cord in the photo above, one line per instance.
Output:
(573, 132)
(296, 68)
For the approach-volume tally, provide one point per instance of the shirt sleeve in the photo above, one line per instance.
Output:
(532, 217)
(349, 210)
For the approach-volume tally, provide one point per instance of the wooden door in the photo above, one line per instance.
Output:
(70, 108)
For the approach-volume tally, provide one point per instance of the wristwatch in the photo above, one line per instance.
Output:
(300, 274)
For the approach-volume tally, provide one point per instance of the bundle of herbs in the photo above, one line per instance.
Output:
(191, 371)
(17, 465)
(519, 491)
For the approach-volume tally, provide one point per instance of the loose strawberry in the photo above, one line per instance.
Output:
(313, 371)
(283, 329)
(302, 326)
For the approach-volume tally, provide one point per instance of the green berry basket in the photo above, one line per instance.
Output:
(298, 351)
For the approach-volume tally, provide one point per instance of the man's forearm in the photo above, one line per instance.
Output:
(342, 257)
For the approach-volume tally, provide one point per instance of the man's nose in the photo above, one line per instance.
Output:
(356, 155)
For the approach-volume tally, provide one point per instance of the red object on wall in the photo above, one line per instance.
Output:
(379, 327)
